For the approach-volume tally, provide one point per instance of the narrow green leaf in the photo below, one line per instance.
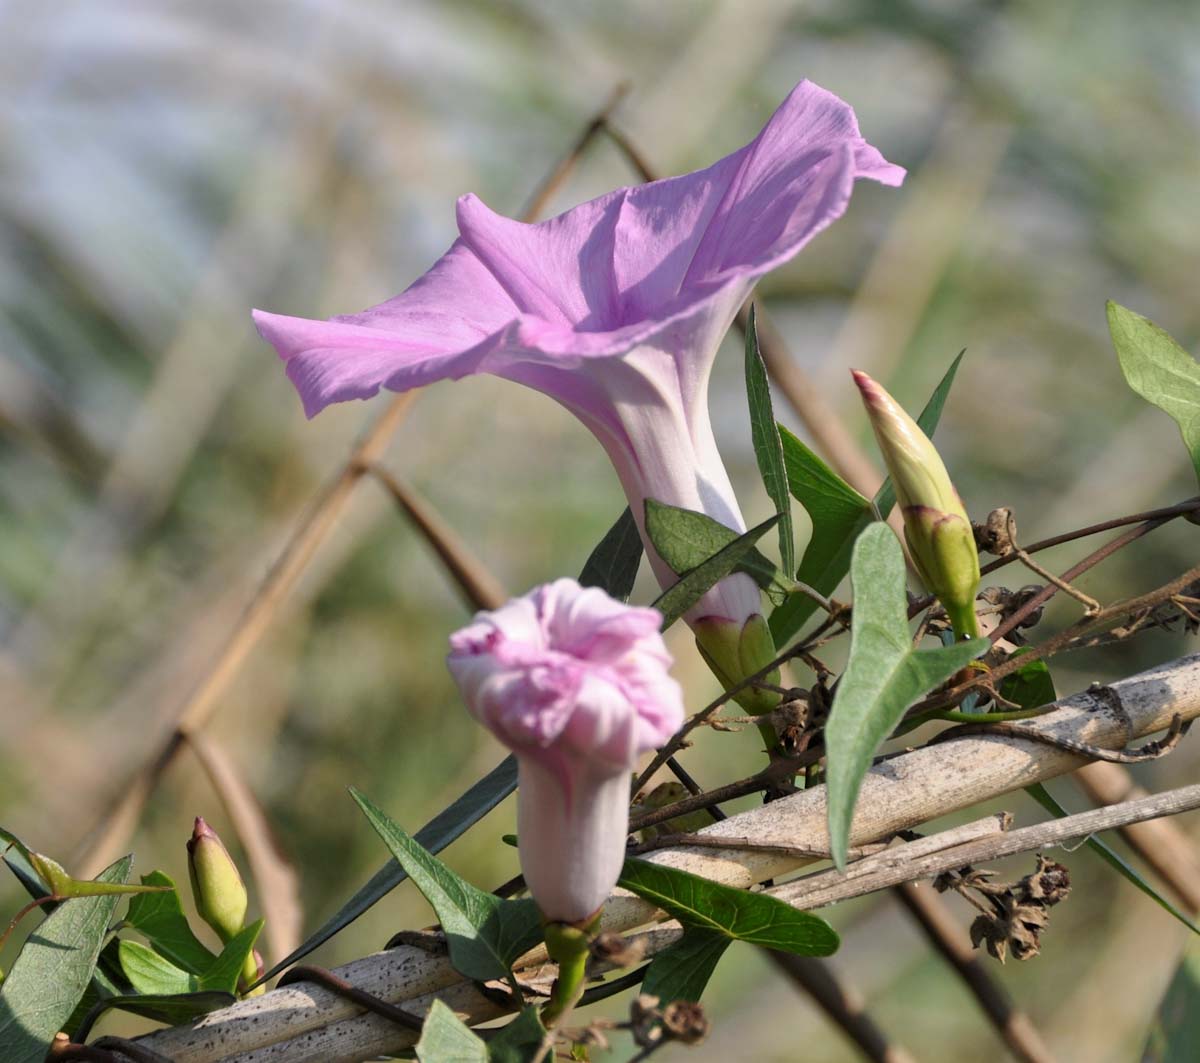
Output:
(159, 917)
(1159, 370)
(756, 918)
(1111, 857)
(172, 1010)
(445, 827)
(517, 1042)
(53, 970)
(686, 538)
(1175, 1035)
(682, 971)
(445, 1038)
(225, 971)
(148, 972)
(838, 513)
(613, 564)
(54, 877)
(768, 451)
(678, 599)
(883, 676)
(485, 933)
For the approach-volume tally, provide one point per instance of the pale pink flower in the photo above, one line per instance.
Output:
(576, 684)
(615, 309)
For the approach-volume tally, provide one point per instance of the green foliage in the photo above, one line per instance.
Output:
(1031, 686)
(53, 970)
(150, 972)
(613, 564)
(485, 934)
(172, 1010)
(519, 1040)
(1175, 1034)
(685, 539)
(768, 450)
(838, 514)
(682, 970)
(883, 676)
(445, 1038)
(717, 911)
(696, 582)
(58, 883)
(1159, 370)
(159, 917)
(445, 827)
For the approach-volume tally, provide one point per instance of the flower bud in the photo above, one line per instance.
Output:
(576, 684)
(734, 651)
(936, 525)
(217, 886)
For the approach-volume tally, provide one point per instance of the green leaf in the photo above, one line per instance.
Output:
(53, 970)
(768, 451)
(1111, 857)
(838, 513)
(159, 917)
(1175, 1035)
(682, 971)
(1159, 370)
(55, 878)
(227, 969)
(613, 565)
(883, 676)
(148, 972)
(485, 933)
(517, 1042)
(739, 915)
(445, 1038)
(1031, 686)
(172, 1010)
(693, 585)
(445, 827)
(685, 538)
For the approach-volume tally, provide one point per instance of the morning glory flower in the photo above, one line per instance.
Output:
(615, 309)
(577, 685)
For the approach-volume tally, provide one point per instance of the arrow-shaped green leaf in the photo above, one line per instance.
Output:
(485, 933)
(883, 676)
(1159, 370)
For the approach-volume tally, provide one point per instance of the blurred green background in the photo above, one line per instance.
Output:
(165, 166)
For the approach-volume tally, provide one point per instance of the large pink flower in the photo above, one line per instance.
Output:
(576, 684)
(615, 308)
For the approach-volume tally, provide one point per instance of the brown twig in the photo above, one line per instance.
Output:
(945, 934)
(899, 865)
(342, 988)
(842, 1004)
(1160, 842)
(480, 588)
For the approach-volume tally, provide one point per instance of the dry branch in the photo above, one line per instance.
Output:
(303, 1022)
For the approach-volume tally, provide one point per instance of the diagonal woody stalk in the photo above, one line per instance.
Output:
(303, 1022)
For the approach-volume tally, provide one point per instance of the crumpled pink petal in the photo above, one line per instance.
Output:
(578, 686)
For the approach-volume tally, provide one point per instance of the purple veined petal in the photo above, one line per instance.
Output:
(614, 308)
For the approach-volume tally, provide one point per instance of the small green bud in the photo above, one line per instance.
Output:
(936, 525)
(734, 652)
(217, 886)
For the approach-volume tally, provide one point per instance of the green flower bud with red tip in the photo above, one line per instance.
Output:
(217, 886)
(936, 525)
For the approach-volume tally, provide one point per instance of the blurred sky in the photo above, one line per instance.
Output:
(166, 166)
